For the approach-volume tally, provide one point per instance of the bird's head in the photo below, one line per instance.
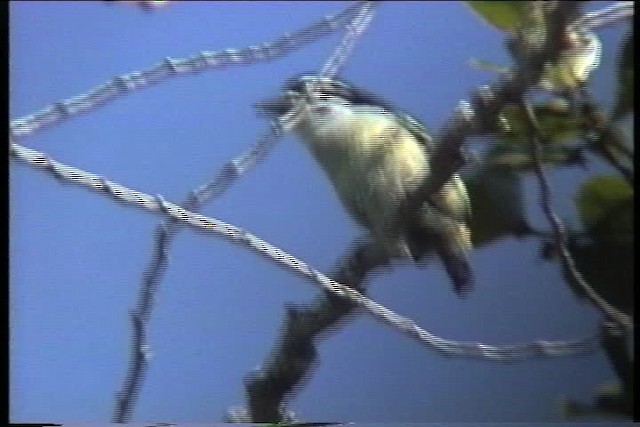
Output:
(314, 89)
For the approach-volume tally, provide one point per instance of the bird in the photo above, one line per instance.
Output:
(376, 156)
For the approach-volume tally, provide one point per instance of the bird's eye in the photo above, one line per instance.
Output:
(321, 109)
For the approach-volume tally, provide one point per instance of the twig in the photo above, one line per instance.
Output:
(171, 67)
(558, 227)
(617, 349)
(167, 230)
(606, 139)
(480, 115)
(154, 273)
(355, 29)
(295, 354)
(606, 16)
(237, 235)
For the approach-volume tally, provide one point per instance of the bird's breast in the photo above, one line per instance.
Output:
(342, 139)
(372, 161)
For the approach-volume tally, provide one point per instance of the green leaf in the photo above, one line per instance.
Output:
(497, 207)
(609, 402)
(624, 99)
(557, 122)
(608, 268)
(604, 253)
(504, 15)
(605, 204)
(518, 158)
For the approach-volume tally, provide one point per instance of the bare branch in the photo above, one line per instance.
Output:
(559, 232)
(295, 354)
(480, 115)
(605, 139)
(355, 30)
(154, 273)
(237, 235)
(172, 67)
(609, 15)
(167, 230)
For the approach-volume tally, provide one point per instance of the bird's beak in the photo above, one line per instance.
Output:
(274, 107)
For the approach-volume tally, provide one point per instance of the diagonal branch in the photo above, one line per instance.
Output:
(355, 29)
(605, 140)
(167, 230)
(171, 67)
(479, 115)
(295, 354)
(559, 232)
(237, 235)
(154, 273)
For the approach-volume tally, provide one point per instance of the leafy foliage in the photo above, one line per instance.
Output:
(558, 125)
(605, 204)
(605, 257)
(624, 87)
(503, 15)
(498, 208)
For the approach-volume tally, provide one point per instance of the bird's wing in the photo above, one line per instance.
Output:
(452, 199)
(418, 130)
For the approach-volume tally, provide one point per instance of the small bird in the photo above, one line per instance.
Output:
(376, 156)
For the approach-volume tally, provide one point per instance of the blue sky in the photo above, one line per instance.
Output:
(77, 257)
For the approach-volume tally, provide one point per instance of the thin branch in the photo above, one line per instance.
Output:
(154, 273)
(606, 141)
(167, 230)
(616, 346)
(606, 16)
(237, 235)
(558, 227)
(479, 115)
(453, 137)
(140, 356)
(295, 354)
(355, 29)
(172, 67)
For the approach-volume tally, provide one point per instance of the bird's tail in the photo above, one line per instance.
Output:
(456, 263)
(451, 242)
